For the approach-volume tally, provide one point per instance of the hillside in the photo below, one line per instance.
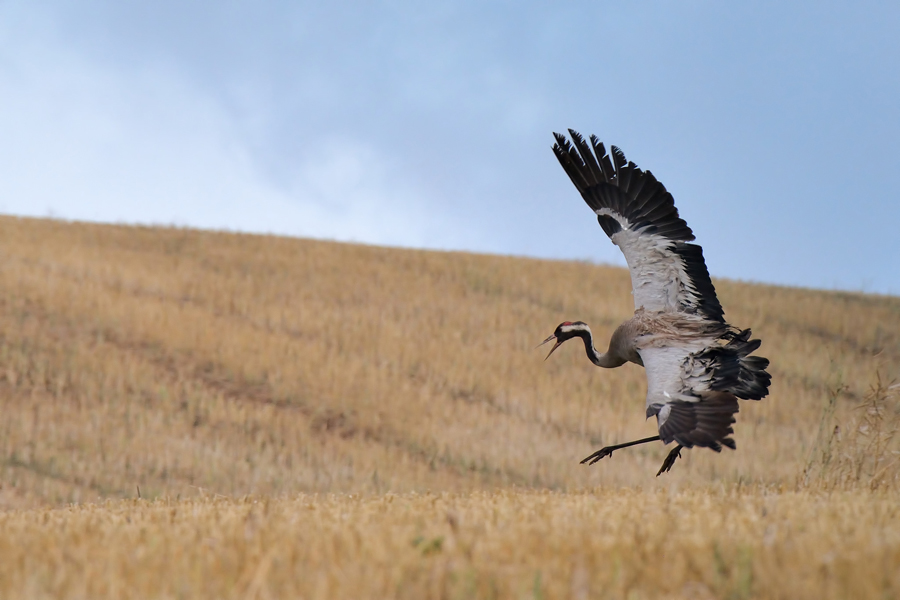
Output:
(181, 364)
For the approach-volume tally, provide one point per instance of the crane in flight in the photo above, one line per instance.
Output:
(697, 365)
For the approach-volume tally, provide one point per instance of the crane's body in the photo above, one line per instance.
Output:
(697, 365)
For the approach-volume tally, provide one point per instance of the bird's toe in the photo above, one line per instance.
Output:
(602, 453)
(670, 461)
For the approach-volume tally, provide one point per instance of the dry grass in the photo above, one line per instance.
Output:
(192, 364)
(507, 544)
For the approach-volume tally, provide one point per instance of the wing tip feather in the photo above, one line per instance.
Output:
(637, 201)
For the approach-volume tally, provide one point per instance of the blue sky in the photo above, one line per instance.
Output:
(776, 126)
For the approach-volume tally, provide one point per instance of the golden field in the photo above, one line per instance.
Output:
(319, 420)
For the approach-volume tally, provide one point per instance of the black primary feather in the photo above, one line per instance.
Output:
(704, 292)
(619, 185)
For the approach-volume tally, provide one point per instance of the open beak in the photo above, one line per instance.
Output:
(550, 339)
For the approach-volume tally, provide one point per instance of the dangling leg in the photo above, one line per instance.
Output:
(670, 460)
(604, 452)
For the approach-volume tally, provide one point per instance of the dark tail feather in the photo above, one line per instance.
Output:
(735, 371)
(753, 380)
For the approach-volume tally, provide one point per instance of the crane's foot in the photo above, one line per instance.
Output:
(601, 453)
(670, 460)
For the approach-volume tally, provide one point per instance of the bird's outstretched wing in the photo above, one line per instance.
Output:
(638, 214)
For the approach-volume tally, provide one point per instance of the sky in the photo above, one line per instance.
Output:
(776, 126)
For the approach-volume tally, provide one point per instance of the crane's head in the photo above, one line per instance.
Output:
(564, 332)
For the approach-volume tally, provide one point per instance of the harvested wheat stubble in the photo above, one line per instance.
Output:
(708, 543)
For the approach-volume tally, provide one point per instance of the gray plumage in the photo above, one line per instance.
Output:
(697, 365)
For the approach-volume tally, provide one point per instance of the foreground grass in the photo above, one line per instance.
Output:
(713, 543)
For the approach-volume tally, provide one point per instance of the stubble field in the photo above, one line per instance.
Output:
(204, 414)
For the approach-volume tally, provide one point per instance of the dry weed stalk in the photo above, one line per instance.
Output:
(863, 450)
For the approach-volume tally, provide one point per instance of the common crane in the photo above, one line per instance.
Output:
(697, 365)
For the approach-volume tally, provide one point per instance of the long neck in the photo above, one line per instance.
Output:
(607, 360)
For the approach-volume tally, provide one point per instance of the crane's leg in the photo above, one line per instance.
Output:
(604, 452)
(670, 460)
